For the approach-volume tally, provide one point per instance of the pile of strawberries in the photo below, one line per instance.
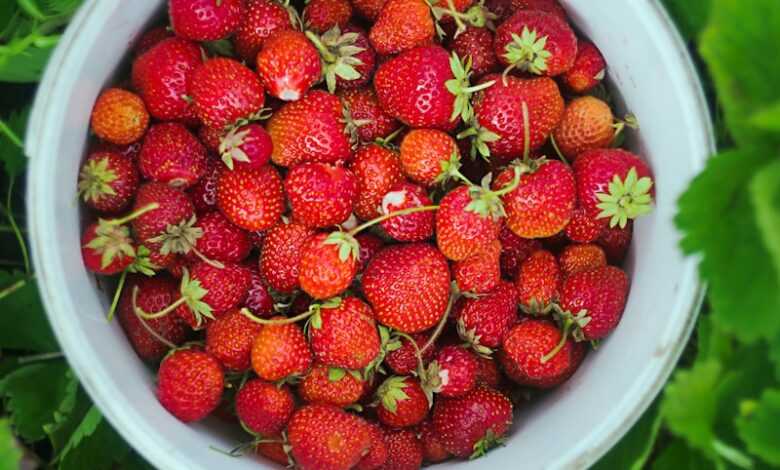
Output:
(359, 231)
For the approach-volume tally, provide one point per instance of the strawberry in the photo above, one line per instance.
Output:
(328, 264)
(577, 258)
(488, 373)
(587, 124)
(210, 138)
(331, 386)
(366, 57)
(203, 194)
(480, 272)
(261, 19)
(484, 321)
(466, 221)
(377, 456)
(324, 436)
(403, 361)
(320, 194)
(514, 250)
(211, 292)
(538, 282)
(429, 156)
(368, 9)
(537, 42)
(259, 300)
(595, 300)
(205, 20)
(402, 402)
(369, 246)
(476, 44)
(150, 38)
(275, 449)
(408, 286)
(247, 146)
(322, 15)
(582, 228)
(526, 359)
(162, 74)
(190, 384)
(433, 450)
(404, 450)
(251, 199)
(369, 119)
(130, 152)
(173, 209)
(310, 129)
(221, 240)
(264, 408)
(229, 338)
(172, 154)
(453, 372)
(613, 184)
(588, 71)
(280, 352)
(288, 64)
(470, 425)
(376, 169)
(281, 254)
(413, 227)
(107, 182)
(615, 241)
(119, 116)
(106, 248)
(549, 6)
(402, 25)
(150, 294)
(343, 334)
(225, 91)
(543, 202)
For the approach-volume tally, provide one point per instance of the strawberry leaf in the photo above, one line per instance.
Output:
(23, 323)
(691, 17)
(11, 136)
(10, 451)
(757, 426)
(765, 192)
(633, 451)
(94, 445)
(679, 456)
(767, 118)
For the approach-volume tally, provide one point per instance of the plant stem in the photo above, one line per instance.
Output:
(40, 357)
(134, 215)
(12, 288)
(282, 321)
(440, 327)
(382, 218)
(9, 213)
(161, 313)
(117, 294)
(5, 130)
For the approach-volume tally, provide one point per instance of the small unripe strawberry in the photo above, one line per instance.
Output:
(119, 116)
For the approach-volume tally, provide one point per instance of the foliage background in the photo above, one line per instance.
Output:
(721, 409)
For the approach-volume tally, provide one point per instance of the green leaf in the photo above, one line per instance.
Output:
(10, 452)
(67, 418)
(93, 445)
(34, 394)
(61, 7)
(678, 456)
(690, 16)
(774, 354)
(11, 136)
(717, 219)
(23, 323)
(739, 46)
(765, 192)
(758, 426)
(767, 118)
(632, 452)
(23, 60)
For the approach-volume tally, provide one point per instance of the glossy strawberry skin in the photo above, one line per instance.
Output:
(616, 241)
(411, 87)
(124, 182)
(409, 411)
(422, 153)
(514, 250)
(377, 456)
(221, 240)
(586, 124)
(414, 227)
(368, 9)
(263, 407)
(367, 57)
(93, 257)
(256, 146)
(322, 273)
(561, 42)
(581, 257)
(203, 194)
(226, 288)
(346, 336)
(457, 371)
(403, 360)
(369, 246)
(190, 384)
(251, 199)
(395, 279)
(119, 116)
(204, 20)
(280, 351)
(480, 272)
(322, 15)
(539, 279)
(602, 292)
(171, 154)
(402, 25)
(489, 316)
(224, 91)
(433, 450)
(320, 194)
(460, 233)
(229, 338)
(363, 105)
(288, 65)
(549, 6)
(260, 20)
(259, 300)
(583, 228)
(477, 44)
(376, 169)
(174, 207)
(588, 71)
(150, 38)
(404, 450)
(317, 387)
(281, 254)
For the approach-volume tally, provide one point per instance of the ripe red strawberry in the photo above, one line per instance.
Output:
(484, 321)
(377, 456)
(514, 250)
(261, 19)
(119, 117)
(549, 6)
(527, 346)
(310, 129)
(414, 227)
(488, 373)
(251, 199)
(408, 286)
(601, 294)
(150, 38)
(582, 228)
(412, 86)
(403, 361)
(204, 20)
(402, 402)
(587, 124)
(264, 408)
(321, 194)
(162, 74)
(402, 25)
(615, 241)
(276, 449)
(369, 246)
(152, 294)
(328, 264)
(322, 15)
(211, 292)
(343, 334)
(404, 450)
(588, 71)
(537, 42)
(280, 352)
(364, 109)
(331, 386)
(428, 156)
(229, 338)
(107, 249)
(577, 258)
(480, 272)
(324, 436)
(221, 240)
(367, 57)
(247, 146)
(499, 110)
(613, 184)
(130, 152)
(174, 208)
(107, 182)
(288, 65)
(259, 301)
(471, 425)
(190, 384)
(281, 256)
(453, 372)
(461, 231)
(433, 450)
(538, 282)
(368, 9)
(376, 169)
(543, 202)
(172, 154)
(476, 44)
(224, 91)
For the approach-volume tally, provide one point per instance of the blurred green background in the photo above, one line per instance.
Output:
(721, 408)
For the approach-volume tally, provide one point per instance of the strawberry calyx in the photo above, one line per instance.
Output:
(471, 340)
(461, 88)
(192, 294)
(337, 52)
(489, 441)
(487, 202)
(477, 16)
(142, 264)
(391, 392)
(389, 341)
(112, 242)
(230, 146)
(625, 199)
(346, 243)
(450, 170)
(352, 126)
(95, 180)
(480, 137)
(536, 307)
(569, 324)
(181, 239)
(527, 53)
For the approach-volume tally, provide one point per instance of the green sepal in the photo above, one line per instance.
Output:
(193, 293)
(337, 52)
(527, 52)
(391, 392)
(489, 441)
(95, 180)
(347, 244)
(111, 241)
(626, 199)
(179, 238)
(335, 374)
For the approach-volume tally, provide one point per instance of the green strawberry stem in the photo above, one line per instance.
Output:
(151, 316)
(526, 132)
(134, 215)
(206, 260)
(148, 328)
(558, 150)
(417, 352)
(382, 218)
(327, 56)
(512, 184)
(567, 325)
(115, 301)
(281, 321)
(570, 324)
(460, 87)
(440, 326)
(386, 141)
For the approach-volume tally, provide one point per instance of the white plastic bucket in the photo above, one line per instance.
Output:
(570, 428)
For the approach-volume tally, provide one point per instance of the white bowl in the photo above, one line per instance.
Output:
(570, 428)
